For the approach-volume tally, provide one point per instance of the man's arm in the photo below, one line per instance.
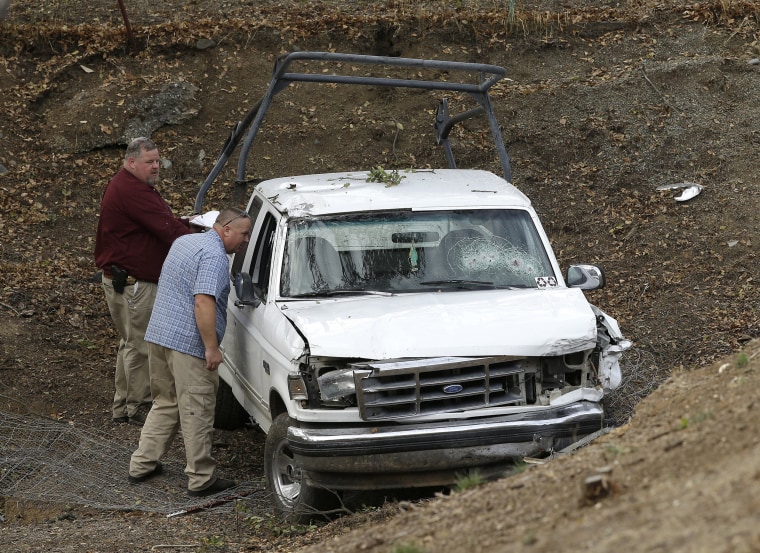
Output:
(205, 318)
(151, 212)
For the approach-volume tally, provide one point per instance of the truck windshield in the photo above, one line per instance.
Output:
(413, 251)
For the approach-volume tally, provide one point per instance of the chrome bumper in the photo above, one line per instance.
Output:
(426, 454)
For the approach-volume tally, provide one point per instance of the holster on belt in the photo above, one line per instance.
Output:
(119, 280)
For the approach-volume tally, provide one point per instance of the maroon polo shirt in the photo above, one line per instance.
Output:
(136, 228)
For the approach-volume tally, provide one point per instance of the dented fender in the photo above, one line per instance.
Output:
(612, 345)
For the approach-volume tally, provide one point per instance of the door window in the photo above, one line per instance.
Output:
(253, 213)
(261, 263)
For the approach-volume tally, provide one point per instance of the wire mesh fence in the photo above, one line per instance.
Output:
(43, 459)
(641, 376)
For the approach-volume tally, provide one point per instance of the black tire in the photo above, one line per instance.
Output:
(295, 500)
(229, 414)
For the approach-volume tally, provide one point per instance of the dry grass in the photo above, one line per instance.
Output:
(526, 17)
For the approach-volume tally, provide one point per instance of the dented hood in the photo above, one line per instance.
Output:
(483, 323)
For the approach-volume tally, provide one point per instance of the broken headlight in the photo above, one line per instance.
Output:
(336, 384)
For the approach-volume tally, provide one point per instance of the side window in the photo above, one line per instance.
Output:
(262, 256)
(253, 212)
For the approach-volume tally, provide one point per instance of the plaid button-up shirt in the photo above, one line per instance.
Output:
(196, 264)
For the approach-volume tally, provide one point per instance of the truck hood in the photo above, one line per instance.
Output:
(461, 324)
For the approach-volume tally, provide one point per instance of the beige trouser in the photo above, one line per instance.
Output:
(184, 395)
(130, 312)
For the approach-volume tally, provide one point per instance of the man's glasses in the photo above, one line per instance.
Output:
(242, 215)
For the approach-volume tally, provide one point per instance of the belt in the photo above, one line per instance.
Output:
(130, 279)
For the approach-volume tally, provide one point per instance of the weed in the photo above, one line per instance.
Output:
(696, 419)
(469, 480)
(86, 344)
(702, 416)
(208, 543)
(518, 467)
(742, 360)
(614, 449)
(378, 174)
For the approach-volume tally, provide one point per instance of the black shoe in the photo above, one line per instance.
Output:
(139, 416)
(158, 469)
(121, 420)
(219, 485)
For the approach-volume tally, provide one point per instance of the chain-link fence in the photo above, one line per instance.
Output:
(46, 460)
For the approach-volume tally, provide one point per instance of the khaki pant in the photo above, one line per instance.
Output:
(130, 312)
(184, 395)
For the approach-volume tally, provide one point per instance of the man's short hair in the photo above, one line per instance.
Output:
(227, 215)
(139, 145)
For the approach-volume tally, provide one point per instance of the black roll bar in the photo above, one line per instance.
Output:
(281, 79)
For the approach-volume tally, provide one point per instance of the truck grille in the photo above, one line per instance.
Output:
(395, 389)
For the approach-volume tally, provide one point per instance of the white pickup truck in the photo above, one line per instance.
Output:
(402, 328)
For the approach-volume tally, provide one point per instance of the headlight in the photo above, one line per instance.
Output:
(336, 384)
(297, 387)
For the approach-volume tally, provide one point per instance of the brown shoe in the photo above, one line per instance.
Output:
(219, 485)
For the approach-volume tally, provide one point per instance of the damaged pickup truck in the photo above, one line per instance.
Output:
(400, 329)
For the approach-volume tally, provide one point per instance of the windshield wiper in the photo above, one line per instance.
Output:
(343, 292)
(457, 282)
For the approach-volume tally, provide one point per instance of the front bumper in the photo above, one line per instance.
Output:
(429, 454)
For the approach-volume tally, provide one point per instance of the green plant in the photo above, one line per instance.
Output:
(209, 543)
(702, 416)
(742, 360)
(696, 419)
(86, 344)
(519, 466)
(614, 449)
(378, 174)
(469, 480)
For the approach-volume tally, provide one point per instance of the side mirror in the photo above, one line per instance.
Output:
(244, 291)
(585, 277)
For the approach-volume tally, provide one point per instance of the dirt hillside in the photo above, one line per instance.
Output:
(606, 103)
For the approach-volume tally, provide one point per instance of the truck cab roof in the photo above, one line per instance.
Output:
(349, 192)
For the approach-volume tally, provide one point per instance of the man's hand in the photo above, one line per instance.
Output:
(213, 358)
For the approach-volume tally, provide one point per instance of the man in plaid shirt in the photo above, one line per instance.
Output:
(186, 327)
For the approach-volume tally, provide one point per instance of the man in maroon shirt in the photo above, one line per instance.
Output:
(136, 228)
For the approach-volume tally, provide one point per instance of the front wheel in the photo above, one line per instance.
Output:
(293, 498)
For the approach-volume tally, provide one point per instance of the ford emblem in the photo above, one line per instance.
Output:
(453, 389)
